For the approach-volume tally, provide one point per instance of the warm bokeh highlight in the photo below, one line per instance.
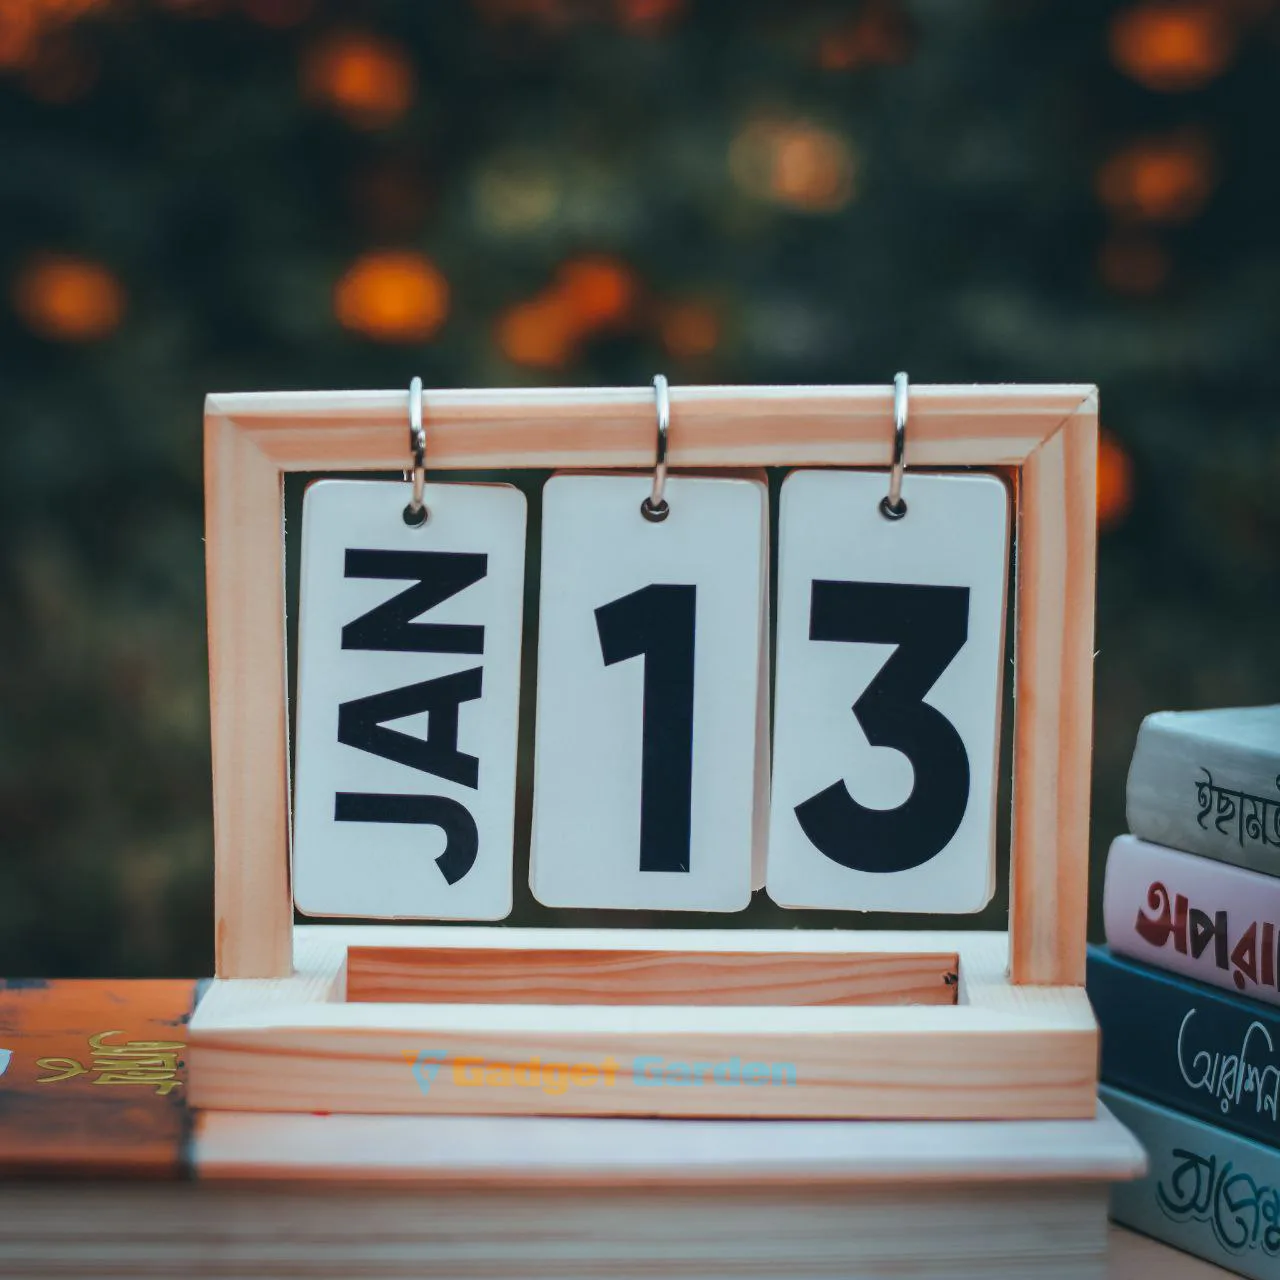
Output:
(689, 329)
(599, 290)
(1172, 47)
(798, 164)
(1115, 482)
(647, 13)
(392, 297)
(68, 299)
(541, 333)
(587, 295)
(880, 35)
(26, 26)
(367, 80)
(1160, 179)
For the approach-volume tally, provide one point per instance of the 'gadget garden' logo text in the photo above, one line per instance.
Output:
(557, 1078)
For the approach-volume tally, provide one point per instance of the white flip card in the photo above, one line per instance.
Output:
(760, 816)
(760, 836)
(645, 767)
(890, 653)
(408, 701)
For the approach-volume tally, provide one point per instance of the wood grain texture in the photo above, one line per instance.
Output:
(1053, 721)
(1000, 1053)
(967, 1232)
(452, 975)
(614, 426)
(244, 566)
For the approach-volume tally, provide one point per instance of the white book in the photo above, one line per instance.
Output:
(1208, 782)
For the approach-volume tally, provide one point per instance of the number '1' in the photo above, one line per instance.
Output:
(657, 624)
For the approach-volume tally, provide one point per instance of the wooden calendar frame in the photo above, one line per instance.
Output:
(1022, 1041)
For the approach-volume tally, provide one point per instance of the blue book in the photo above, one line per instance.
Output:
(1209, 1192)
(1204, 1052)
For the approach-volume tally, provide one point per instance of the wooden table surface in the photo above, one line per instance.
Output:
(1135, 1257)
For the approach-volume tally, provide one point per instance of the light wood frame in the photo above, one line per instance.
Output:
(1045, 436)
(999, 1052)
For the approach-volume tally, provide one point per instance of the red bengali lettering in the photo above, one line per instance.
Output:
(1244, 955)
(1204, 929)
(1170, 919)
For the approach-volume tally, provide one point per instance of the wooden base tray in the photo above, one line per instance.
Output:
(488, 1021)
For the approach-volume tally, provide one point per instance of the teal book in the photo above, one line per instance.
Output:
(1210, 1054)
(1206, 1191)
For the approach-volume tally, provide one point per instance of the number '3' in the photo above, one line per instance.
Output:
(929, 626)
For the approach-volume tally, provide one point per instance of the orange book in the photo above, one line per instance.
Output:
(93, 1077)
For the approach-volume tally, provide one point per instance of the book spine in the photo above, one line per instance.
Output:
(94, 1078)
(1205, 795)
(1208, 1192)
(1209, 921)
(1213, 1056)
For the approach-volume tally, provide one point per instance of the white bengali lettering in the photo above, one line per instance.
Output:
(1227, 1077)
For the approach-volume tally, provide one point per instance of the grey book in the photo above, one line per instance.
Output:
(1209, 1192)
(1208, 782)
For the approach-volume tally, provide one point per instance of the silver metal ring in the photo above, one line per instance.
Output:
(893, 507)
(416, 513)
(655, 507)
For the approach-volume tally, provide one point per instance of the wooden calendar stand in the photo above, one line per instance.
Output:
(906, 1025)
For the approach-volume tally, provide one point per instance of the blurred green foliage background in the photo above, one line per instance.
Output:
(203, 195)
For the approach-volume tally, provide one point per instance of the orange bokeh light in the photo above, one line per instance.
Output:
(1133, 266)
(542, 332)
(1173, 45)
(1160, 180)
(1115, 482)
(597, 290)
(18, 35)
(634, 14)
(879, 36)
(68, 299)
(798, 164)
(647, 13)
(392, 297)
(690, 329)
(587, 294)
(811, 170)
(25, 24)
(367, 80)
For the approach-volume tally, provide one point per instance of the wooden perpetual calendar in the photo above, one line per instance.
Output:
(653, 783)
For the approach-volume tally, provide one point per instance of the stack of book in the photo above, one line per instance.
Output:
(1187, 991)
